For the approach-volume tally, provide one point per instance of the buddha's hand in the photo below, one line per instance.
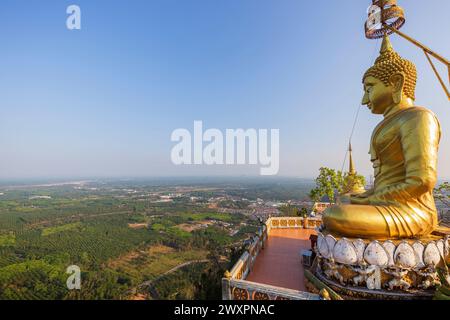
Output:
(366, 194)
(362, 198)
(359, 200)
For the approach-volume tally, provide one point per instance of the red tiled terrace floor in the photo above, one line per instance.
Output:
(279, 264)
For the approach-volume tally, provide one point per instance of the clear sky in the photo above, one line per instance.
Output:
(104, 100)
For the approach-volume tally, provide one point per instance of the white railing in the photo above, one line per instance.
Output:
(246, 290)
(293, 223)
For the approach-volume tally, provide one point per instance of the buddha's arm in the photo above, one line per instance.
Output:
(420, 137)
(364, 194)
(362, 198)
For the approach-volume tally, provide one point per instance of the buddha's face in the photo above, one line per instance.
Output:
(377, 96)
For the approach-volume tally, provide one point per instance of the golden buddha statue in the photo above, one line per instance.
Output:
(404, 148)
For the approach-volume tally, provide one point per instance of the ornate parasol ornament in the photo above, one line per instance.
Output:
(385, 17)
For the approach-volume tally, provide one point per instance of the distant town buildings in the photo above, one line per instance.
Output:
(39, 197)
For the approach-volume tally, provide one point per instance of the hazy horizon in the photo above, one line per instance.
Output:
(196, 179)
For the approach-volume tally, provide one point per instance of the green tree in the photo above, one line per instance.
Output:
(331, 182)
(210, 285)
(303, 212)
(442, 193)
(328, 183)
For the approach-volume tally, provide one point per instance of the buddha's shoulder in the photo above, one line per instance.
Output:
(417, 113)
(406, 119)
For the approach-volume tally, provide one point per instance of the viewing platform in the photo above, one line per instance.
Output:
(279, 264)
(271, 268)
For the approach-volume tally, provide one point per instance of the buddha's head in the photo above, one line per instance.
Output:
(391, 81)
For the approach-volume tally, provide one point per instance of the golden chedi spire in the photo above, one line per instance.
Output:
(352, 183)
(351, 169)
(389, 63)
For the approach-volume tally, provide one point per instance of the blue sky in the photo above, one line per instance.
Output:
(104, 100)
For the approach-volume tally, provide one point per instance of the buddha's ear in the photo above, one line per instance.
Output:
(397, 81)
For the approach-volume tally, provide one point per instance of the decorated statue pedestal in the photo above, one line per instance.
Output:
(372, 269)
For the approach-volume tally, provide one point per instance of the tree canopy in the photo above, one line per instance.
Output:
(330, 182)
